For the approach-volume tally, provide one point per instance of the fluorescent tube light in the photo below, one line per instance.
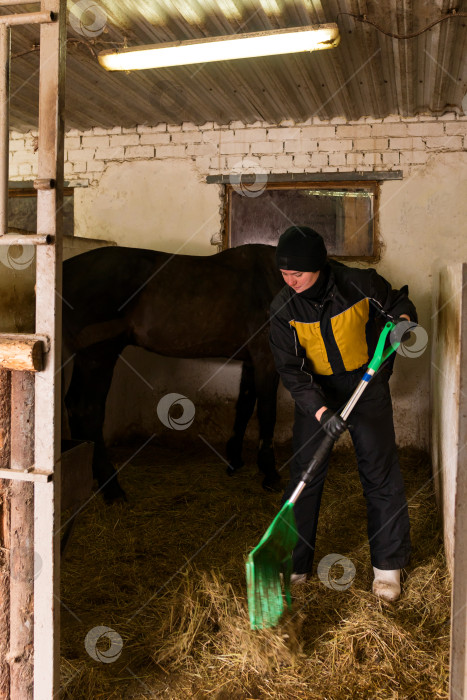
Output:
(222, 48)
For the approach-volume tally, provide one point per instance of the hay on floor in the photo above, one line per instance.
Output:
(166, 572)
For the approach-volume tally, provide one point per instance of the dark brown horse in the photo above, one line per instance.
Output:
(178, 306)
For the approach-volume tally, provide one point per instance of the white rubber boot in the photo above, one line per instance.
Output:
(295, 579)
(387, 584)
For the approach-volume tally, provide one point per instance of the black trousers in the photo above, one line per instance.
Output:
(373, 437)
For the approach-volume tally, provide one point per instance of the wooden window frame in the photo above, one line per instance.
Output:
(351, 184)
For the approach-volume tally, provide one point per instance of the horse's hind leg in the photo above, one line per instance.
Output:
(85, 403)
(243, 412)
(267, 381)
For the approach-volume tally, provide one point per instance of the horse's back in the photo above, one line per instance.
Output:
(182, 305)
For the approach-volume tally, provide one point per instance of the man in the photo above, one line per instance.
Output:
(325, 325)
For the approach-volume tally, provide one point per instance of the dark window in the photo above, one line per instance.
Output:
(22, 209)
(343, 213)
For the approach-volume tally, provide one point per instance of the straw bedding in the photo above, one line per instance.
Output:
(166, 572)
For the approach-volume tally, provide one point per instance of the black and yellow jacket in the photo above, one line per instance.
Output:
(333, 335)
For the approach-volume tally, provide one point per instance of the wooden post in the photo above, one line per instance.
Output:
(5, 409)
(5, 379)
(458, 679)
(21, 539)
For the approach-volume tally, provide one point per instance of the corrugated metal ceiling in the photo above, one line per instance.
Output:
(368, 74)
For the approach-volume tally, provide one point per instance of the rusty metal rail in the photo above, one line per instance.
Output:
(34, 475)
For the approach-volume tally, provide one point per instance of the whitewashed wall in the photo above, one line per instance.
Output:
(147, 189)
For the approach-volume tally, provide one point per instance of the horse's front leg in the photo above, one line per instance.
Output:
(85, 403)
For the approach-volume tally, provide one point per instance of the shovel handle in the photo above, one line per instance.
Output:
(319, 457)
(326, 445)
(321, 454)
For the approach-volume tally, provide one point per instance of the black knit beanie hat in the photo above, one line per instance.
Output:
(301, 248)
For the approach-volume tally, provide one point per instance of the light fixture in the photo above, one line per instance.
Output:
(222, 48)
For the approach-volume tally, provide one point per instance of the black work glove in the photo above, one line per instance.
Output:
(332, 423)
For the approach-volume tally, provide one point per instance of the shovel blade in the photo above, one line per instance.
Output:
(271, 557)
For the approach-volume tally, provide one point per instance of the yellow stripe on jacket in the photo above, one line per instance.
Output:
(310, 338)
(349, 332)
(348, 329)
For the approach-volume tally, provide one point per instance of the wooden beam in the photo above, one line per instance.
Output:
(27, 18)
(6, 3)
(22, 352)
(22, 539)
(33, 239)
(5, 410)
(272, 178)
